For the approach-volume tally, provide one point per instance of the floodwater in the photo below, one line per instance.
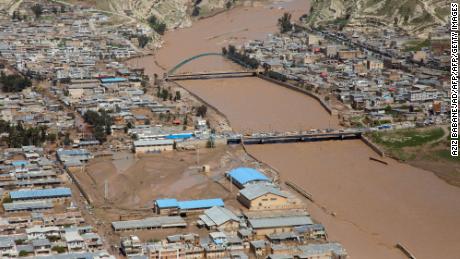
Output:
(375, 205)
(365, 205)
(210, 35)
(254, 105)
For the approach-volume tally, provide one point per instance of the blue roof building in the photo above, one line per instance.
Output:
(173, 206)
(54, 193)
(113, 80)
(179, 136)
(200, 204)
(166, 203)
(244, 175)
(19, 163)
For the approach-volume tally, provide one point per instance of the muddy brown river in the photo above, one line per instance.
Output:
(367, 206)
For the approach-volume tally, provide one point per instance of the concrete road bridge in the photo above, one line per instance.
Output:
(264, 138)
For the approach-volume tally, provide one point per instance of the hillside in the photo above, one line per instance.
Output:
(414, 16)
(175, 13)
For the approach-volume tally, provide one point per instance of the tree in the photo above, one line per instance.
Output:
(210, 143)
(58, 249)
(231, 50)
(67, 139)
(14, 83)
(143, 40)
(23, 253)
(201, 111)
(388, 109)
(51, 137)
(37, 9)
(156, 25)
(196, 11)
(177, 96)
(284, 23)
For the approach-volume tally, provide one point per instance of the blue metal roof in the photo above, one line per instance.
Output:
(19, 163)
(166, 203)
(113, 80)
(244, 175)
(200, 204)
(41, 193)
(189, 205)
(179, 136)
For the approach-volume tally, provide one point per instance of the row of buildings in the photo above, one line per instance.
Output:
(39, 215)
(371, 85)
(270, 223)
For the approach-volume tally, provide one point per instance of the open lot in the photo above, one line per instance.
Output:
(133, 182)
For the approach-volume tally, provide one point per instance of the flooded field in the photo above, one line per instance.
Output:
(375, 206)
(253, 105)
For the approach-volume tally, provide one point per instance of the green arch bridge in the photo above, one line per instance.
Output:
(185, 61)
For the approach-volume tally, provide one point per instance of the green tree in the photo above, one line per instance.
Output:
(284, 23)
(143, 40)
(388, 109)
(67, 139)
(37, 9)
(156, 25)
(14, 83)
(58, 249)
(177, 96)
(23, 253)
(196, 11)
(201, 111)
(210, 143)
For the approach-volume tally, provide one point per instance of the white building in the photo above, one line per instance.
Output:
(37, 232)
(153, 145)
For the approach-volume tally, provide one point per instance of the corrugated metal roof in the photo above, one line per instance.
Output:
(217, 216)
(166, 203)
(256, 190)
(280, 222)
(153, 142)
(189, 205)
(41, 193)
(113, 80)
(152, 222)
(28, 205)
(179, 136)
(244, 175)
(200, 204)
(318, 249)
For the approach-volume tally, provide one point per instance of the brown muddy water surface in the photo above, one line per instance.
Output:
(375, 206)
(253, 105)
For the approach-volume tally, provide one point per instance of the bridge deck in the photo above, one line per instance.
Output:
(203, 76)
(296, 138)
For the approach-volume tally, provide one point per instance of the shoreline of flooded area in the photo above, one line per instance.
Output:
(376, 206)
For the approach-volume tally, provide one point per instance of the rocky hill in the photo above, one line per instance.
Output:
(175, 13)
(414, 16)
